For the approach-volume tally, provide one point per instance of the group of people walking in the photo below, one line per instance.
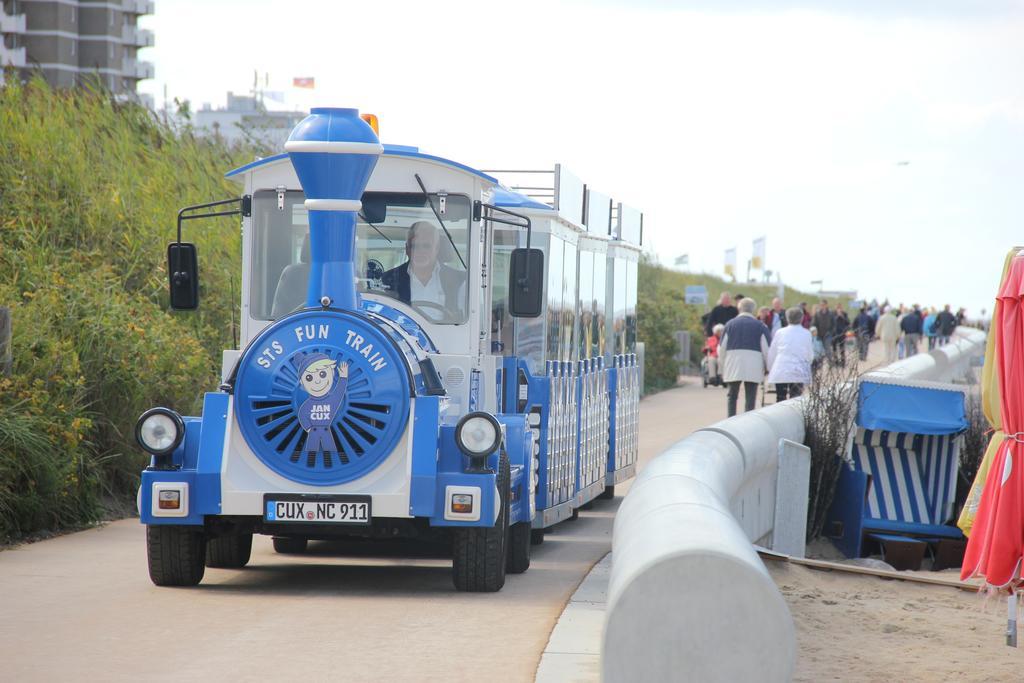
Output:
(745, 342)
(901, 330)
(748, 341)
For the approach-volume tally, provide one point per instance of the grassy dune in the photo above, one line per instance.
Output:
(89, 191)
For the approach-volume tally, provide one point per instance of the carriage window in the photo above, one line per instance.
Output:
(598, 347)
(618, 302)
(502, 324)
(570, 302)
(401, 253)
(556, 287)
(631, 273)
(586, 299)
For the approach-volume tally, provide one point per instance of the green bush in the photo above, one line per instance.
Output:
(89, 191)
(661, 312)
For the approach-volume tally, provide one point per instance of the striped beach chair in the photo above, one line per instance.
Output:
(896, 486)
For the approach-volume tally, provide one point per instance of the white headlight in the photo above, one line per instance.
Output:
(159, 431)
(478, 434)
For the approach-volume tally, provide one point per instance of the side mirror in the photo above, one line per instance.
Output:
(375, 208)
(183, 272)
(526, 283)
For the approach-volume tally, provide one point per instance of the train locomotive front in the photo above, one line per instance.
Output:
(334, 421)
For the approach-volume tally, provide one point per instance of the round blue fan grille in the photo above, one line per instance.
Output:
(354, 429)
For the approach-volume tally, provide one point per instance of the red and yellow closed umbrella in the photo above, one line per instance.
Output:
(995, 548)
(991, 405)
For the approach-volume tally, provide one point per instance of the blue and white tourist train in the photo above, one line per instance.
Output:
(425, 353)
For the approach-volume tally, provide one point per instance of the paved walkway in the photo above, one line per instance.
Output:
(81, 606)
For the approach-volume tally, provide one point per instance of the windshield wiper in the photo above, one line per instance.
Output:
(437, 215)
(367, 221)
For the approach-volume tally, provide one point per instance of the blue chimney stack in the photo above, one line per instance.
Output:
(333, 152)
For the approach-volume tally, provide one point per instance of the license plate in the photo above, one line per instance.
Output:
(286, 508)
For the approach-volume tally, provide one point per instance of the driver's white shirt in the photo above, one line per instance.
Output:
(431, 291)
(434, 293)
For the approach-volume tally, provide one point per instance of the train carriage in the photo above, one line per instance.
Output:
(584, 342)
(422, 355)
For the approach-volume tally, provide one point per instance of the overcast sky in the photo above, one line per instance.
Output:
(789, 120)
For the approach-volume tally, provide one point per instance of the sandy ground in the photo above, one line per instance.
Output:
(862, 628)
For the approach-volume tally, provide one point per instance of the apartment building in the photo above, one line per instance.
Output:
(245, 118)
(70, 41)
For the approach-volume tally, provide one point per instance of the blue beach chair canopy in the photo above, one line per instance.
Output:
(910, 409)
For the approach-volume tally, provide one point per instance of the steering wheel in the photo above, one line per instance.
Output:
(374, 269)
(419, 305)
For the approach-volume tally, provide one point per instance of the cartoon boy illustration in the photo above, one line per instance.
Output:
(316, 375)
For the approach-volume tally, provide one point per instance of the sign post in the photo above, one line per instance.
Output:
(697, 294)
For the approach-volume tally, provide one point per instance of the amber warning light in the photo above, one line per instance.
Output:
(372, 120)
(169, 500)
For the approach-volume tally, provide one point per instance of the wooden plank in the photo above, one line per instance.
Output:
(825, 565)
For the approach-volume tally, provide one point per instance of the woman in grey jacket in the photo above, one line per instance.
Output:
(743, 355)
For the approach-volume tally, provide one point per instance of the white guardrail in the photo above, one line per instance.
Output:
(948, 363)
(689, 598)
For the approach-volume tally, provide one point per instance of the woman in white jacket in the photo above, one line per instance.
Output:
(790, 357)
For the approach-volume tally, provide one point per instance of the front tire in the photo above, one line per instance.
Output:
(519, 548)
(480, 553)
(176, 555)
(231, 551)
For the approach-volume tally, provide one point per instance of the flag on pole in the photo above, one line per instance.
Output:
(730, 262)
(683, 260)
(757, 259)
(307, 82)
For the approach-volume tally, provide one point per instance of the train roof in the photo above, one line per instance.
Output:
(556, 192)
(562, 193)
(508, 199)
(389, 150)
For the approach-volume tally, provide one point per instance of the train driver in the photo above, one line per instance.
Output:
(424, 279)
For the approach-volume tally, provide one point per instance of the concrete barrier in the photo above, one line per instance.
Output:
(949, 363)
(688, 598)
